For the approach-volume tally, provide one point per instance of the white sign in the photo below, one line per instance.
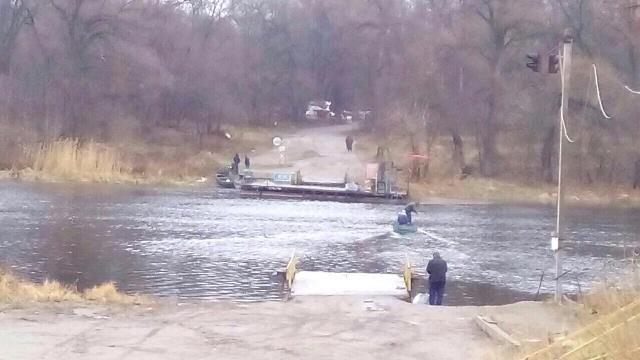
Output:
(282, 148)
(277, 141)
(555, 243)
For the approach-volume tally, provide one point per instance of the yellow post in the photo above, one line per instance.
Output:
(406, 274)
(291, 270)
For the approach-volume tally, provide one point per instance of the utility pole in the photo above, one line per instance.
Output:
(560, 234)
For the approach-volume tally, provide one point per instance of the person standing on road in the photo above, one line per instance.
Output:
(236, 163)
(636, 177)
(247, 162)
(349, 142)
(437, 270)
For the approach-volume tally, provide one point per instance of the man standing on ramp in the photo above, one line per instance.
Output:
(437, 270)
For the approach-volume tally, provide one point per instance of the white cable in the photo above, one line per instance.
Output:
(563, 124)
(604, 113)
(632, 91)
(564, 128)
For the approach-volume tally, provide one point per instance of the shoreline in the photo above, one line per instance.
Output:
(483, 191)
(418, 192)
(29, 176)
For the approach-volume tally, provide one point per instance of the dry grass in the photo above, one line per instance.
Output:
(483, 189)
(70, 159)
(15, 290)
(502, 191)
(610, 297)
(73, 160)
(521, 184)
(167, 156)
(611, 328)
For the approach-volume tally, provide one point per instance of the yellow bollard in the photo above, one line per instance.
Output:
(290, 273)
(407, 274)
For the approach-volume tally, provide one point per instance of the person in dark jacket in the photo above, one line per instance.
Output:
(410, 208)
(349, 142)
(236, 163)
(636, 177)
(247, 162)
(437, 270)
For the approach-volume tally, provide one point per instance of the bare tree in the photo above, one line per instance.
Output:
(14, 14)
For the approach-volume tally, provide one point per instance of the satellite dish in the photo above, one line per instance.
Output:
(277, 141)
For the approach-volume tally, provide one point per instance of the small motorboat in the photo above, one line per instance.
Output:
(224, 181)
(404, 228)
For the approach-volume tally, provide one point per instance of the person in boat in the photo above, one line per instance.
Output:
(437, 270)
(402, 219)
(410, 208)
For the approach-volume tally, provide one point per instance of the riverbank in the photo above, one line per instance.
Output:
(163, 157)
(313, 328)
(483, 190)
(61, 323)
(442, 183)
(16, 291)
(319, 153)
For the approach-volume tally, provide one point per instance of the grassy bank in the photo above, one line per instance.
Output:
(165, 156)
(503, 191)
(520, 184)
(15, 290)
(610, 318)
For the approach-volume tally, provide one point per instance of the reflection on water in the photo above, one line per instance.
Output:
(207, 244)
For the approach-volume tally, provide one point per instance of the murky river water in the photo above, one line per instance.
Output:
(207, 244)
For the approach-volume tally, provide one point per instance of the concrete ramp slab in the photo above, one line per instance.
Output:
(312, 283)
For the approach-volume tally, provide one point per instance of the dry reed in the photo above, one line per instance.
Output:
(71, 159)
(611, 330)
(15, 290)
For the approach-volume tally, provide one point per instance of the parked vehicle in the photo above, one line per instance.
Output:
(319, 111)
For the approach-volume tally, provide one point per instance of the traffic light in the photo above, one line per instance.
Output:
(554, 64)
(534, 62)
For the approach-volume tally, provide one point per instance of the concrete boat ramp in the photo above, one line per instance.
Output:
(318, 283)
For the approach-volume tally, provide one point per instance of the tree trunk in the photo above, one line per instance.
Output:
(489, 129)
(415, 164)
(488, 137)
(458, 150)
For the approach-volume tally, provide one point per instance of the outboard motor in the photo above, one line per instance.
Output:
(402, 219)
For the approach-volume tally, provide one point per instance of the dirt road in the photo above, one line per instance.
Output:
(319, 153)
(310, 328)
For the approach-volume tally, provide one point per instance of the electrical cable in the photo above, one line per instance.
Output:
(563, 124)
(604, 113)
(631, 90)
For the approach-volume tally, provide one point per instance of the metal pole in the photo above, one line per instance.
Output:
(560, 224)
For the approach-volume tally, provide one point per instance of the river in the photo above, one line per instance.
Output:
(206, 244)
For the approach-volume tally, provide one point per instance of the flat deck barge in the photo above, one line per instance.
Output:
(268, 189)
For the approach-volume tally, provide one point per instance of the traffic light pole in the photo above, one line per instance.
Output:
(560, 224)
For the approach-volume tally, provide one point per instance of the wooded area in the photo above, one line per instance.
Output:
(426, 69)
